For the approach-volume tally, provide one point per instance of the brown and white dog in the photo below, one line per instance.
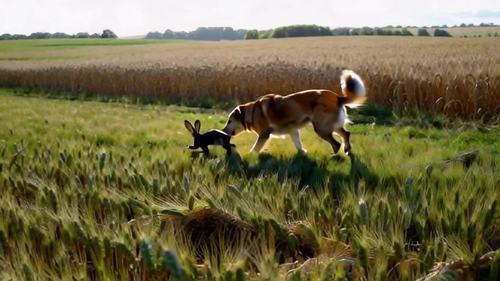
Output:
(280, 115)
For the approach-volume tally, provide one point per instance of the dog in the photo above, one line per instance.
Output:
(274, 114)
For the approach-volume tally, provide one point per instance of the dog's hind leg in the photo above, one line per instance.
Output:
(346, 137)
(295, 135)
(326, 133)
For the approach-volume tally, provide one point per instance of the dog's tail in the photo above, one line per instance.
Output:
(353, 88)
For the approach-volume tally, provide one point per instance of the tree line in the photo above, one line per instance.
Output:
(228, 33)
(58, 35)
(201, 33)
(314, 30)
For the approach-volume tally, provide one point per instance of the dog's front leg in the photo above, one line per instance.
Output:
(295, 135)
(261, 141)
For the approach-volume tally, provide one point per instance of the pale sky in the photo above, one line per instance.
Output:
(137, 17)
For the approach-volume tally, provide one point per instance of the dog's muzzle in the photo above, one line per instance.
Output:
(228, 130)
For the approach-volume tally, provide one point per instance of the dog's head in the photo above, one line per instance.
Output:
(235, 121)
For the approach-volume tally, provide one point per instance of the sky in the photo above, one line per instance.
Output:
(137, 17)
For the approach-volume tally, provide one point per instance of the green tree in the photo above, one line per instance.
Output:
(264, 34)
(40, 35)
(406, 32)
(441, 33)
(423, 32)
(252, 34)
(279, 32)
(341, 31)
(82, 35)
(108, 34)
(154, 35)
(366, 31)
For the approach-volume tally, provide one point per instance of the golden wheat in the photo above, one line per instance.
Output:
(453, 76)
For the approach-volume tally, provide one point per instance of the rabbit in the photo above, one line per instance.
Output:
(212, 137)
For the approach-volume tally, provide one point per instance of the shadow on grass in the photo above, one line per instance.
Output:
(370, 113)
(307, 170)
(374, 114)
(360, 171)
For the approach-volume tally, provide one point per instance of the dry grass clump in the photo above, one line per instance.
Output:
(451, 76)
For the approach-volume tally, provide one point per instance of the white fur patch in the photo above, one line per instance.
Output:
(342, 119)
(280, 136)
(353, 105)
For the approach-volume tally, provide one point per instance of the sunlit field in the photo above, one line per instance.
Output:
(109, 191)
(455, 77)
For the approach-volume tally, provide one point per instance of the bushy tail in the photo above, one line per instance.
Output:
(353, 88)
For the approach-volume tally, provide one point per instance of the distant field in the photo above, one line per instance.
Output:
(11, 50)
(34, 44)
(465, 31)
(109, 191)
(483, 31)
(457, 77)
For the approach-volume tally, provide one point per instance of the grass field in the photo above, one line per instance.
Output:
(42, 50)
(108, 191)
(456, 77)
(37, 45)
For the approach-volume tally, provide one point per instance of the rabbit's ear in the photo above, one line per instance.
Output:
(189, 127)
(197, 125)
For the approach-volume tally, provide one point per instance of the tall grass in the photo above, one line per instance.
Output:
(104, 191)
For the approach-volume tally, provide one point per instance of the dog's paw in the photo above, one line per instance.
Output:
(347, 149)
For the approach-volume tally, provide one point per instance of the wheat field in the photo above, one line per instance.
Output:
(93, 190)
(456, 77)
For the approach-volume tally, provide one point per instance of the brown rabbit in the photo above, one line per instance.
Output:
(212, 137)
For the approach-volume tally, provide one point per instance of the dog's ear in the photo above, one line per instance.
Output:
(242, 116)
(238, 113)
(189, 127)
(197, 126)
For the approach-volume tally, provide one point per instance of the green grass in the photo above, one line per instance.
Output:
(40, 44)
(109, 191)
(49, 49)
